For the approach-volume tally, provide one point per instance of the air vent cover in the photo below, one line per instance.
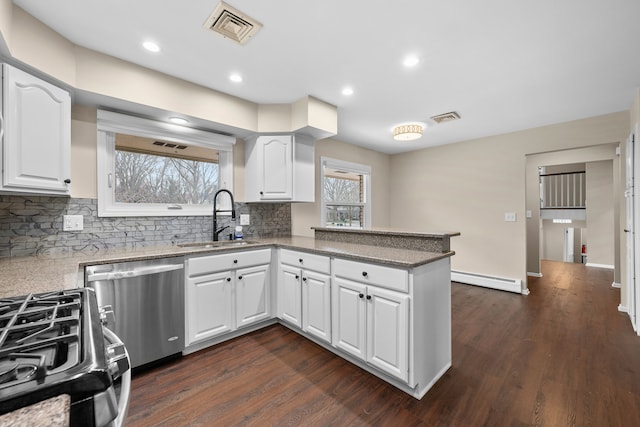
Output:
(446, 117)
(232, 24)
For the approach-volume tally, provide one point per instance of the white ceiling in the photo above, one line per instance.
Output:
(503, 65)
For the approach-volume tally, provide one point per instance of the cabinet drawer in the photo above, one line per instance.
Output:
(392, 278)
(306, 260)
(227, 261)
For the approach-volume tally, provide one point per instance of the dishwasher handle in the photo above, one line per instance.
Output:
(127, 274)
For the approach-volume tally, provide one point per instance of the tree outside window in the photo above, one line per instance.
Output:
(150, 178)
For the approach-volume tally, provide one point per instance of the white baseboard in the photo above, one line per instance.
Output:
(530, 274)
(623, 309)
(616, 285)
(607, 266)
(510, 285)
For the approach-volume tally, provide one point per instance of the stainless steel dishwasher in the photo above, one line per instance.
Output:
(147, 298)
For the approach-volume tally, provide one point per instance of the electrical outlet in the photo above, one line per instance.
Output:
(510, 216)
(244, 219)
(72, 223)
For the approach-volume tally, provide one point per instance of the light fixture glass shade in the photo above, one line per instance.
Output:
(407, 132)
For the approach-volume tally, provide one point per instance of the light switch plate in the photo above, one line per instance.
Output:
(72, 223)
(510, 216)
(244, 219)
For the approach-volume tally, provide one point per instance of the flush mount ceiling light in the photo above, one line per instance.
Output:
(151, 46)
(236, 78)
(407, 132)
(347, 91)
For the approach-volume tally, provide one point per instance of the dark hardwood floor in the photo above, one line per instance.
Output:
(562, 356)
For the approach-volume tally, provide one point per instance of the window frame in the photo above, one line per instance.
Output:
(357, 168)
(109, 123)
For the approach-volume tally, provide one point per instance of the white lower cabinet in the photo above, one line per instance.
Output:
(372, 324)
(209, 306)
(393, 322)
(226, 292)
(252, 295)
(316, 304)
(304, 295)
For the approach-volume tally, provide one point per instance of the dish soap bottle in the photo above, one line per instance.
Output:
(238, 235)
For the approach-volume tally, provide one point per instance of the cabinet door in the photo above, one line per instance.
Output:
(289, 301)
(37, 142)
(388, 331)
(252, 295)
(316, 304)
(349, 317)
(209, 306)
(276, 162)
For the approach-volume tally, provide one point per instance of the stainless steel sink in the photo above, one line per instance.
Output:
(212, 244)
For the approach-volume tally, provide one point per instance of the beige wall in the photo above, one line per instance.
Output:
(307, 215)
(553, 239)
(600, 222)
(468, 187)
(84, 152)
(6, 25)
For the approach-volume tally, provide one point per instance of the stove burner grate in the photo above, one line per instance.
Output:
(38, 334)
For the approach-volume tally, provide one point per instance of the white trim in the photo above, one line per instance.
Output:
(525, 291)
(616, 285)
(607, 266)
(503, 284)
(117, 122)
(530, 274)
(109, 122)
(623, 308)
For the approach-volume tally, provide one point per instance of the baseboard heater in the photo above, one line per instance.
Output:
(510, 285)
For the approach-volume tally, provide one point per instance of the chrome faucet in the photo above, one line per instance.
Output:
(217, 231)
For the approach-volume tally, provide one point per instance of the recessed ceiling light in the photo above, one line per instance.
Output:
(178, 120)
(411, 61)
(151, 46)
(236, 78)
(347, 91)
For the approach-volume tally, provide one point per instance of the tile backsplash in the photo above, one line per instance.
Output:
(31, 225)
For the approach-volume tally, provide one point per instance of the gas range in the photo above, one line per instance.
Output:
(53, 344)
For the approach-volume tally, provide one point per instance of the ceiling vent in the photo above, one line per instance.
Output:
(232, 24)
(446, 117)
(170, 145)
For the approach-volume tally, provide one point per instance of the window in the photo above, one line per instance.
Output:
(148, 168)
(345, 194)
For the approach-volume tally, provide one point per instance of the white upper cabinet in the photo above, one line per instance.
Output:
(279, 168)
(36, 130)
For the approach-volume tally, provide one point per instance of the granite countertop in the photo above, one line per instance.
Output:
(45, 273)
(389, 231)
(53, 412)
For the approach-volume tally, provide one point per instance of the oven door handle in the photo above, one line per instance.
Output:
(125, 378)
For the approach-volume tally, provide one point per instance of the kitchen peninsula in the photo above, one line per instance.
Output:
(386, 306)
